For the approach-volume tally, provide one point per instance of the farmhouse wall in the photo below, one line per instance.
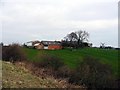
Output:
(53, 47)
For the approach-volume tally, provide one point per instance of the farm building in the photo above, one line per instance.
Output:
(38, 46)
(31, 43)
(51, 45)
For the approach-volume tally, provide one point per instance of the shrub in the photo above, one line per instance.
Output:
(64, 72)
(50, 61)
(13, 53)
(0, 52)
(93, 74)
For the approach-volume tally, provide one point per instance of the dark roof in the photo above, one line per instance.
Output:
(51, 42)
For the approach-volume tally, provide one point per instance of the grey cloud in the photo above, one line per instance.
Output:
(25, 20)
(102, 10)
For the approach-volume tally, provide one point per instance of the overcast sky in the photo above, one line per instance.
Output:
(26, 20)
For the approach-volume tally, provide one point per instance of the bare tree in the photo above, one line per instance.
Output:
(77, 38)
(72, 36)
(81, 36)
(102, 45)
(1, 44)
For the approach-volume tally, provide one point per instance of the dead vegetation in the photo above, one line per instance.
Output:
(19, 76)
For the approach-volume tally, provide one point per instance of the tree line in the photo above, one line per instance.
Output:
(76, 39)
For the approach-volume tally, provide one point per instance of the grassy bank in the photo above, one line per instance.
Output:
(17, 76)
(72, 57)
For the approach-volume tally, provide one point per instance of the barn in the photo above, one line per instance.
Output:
(38, 46)
(50, 45)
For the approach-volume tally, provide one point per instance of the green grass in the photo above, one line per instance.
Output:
(71, 57)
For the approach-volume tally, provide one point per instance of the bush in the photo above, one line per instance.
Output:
(13, 53)
(0, 52)
(93, 74)
(50, 61)
(64, 72)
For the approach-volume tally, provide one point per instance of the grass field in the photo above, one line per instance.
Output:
(72, 57)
